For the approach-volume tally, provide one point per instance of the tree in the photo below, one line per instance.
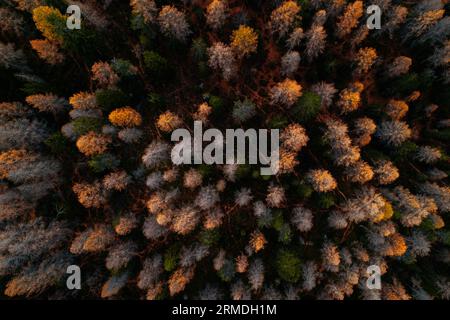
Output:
(321, 180)
(152, 268)
(130, 135)
(222, 57)
(206, 198)
(359, 172)
(185, 220)
(395, 291)
(295, 38)
(47, 51)
(335, 7)
(414, 209)
(114, 284)
(441, 55)
(192, 179)
(326, 91)
(90, 195)
(257, 241)
(275, 196)
(364, 128)
(330, 257)
(118, 181)
(308, 106)
(441, 195)
(244, 41)
(365, 58)
(288, 265)
(243, 197)
(93, 143)
(243, 110)
(393, 132)
(168, 121)
(217, 13)
(349, 19)
(396, 17)
(103, 73)
(386, 172)
(399, 66)
(50, 22)
(173, 23)
(396, 109)
(294, 137)
(11, 22)
(203, 112)
(239, 291)
(120, 255)
(47, 102)
(22, 133)
(350, 98)
(256, 274)
(310, 275)
(316, 41)
(282, 18)
(302, 218)
(125, 117)
(145, 8)
(286, 93)
(290, 63)
(424, 21)
(11, 58)
(155, 154)
(343, 153)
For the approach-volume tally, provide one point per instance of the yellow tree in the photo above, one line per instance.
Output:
(244, 41)
(50, 22)
(125, 117)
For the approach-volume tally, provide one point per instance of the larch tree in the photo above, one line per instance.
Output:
(244, 41)
(285, 93)
(315, 42)
(223, 58)
(282, 18)
(173, 23)
(350, 18)
(217, 13)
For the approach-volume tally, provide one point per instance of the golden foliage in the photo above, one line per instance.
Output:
(398, 245)
(350, 98)
(168, 121)
(365, 59)
(349, 20)
(244, 41)
(93, 143)
(257, 241)
(47, 51)
(83, 101)
(125, 117)
(48, 20)
(385, 213)
(397, 109)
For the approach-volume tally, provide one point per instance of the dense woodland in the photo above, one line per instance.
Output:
(86, 177)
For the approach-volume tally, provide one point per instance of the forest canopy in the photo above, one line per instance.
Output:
(86, 176)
